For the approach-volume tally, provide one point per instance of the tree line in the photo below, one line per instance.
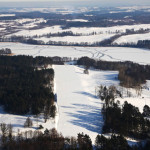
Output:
(5, 51)
(126, 120)
(131, 75)
(139, 44)
(52, 140)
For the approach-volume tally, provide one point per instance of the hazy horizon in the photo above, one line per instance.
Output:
(98, 3)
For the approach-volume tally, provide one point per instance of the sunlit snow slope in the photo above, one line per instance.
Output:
(79, 108)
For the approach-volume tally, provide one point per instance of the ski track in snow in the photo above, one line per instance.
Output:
(79, 108)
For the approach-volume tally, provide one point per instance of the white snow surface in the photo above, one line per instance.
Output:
(138, 101)
(82, 30)
(17, 121)
(137, 55)
(132, 38)
(7, 15)
(78, 39)
(77, 20)
(46, 30)
(79, 108)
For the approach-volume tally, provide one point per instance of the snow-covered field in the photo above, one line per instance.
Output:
(77, 20)
(78, 39)
(104, 53)
(26, 28)
(79, 108)
(132, 38)
(17, 121)
(7, 15)
(20, 24)
(82, 30)
(52, 29)
(137, 55)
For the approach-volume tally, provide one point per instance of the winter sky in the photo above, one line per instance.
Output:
(75, 2)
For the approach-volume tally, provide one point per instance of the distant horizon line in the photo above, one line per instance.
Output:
(47, 4)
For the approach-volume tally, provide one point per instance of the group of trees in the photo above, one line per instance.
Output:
(112, 143)
(117, 143)
(126, 120)
(106, 42)
(143, 44)
(131, 75)
(51, 139)
(31, 40)
(5, 51)
(108, 94)
(24, 88)
(96, 18)
(146, 111)
(139, 44)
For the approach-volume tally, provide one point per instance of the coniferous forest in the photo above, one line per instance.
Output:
(23, 84)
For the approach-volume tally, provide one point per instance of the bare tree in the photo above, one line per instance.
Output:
(10, 132)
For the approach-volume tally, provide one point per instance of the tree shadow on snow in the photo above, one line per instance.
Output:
(86, 93)
(90, 118)
(112, 77)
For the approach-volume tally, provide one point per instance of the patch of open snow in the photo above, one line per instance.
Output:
(137, 55)
(7, 15)
(82, 30)
(138, 101)
(109, 30)
(79, 108)
(77, 20)
(78, 39)
(2, 29)
(52, 29)
(17, 121)
(132, 38)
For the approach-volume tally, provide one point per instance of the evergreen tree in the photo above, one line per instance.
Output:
(28, 123)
